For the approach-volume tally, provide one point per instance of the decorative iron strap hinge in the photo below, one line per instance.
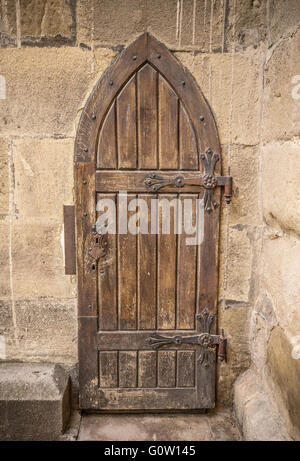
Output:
(204, 339)
(208, 179)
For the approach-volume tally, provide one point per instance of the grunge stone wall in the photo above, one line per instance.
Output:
(244, 55)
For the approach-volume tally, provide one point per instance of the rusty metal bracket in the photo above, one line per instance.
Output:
(208, 179)
(206, 340)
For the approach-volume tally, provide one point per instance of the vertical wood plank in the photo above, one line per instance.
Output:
(107, 287)
(69, 239)
(107, 145)
(147, 117)
(189, 159)
(168, 126)
(147, 369)
(108, 366)
(166, 368)
(127, 369)
(185, 368)
(147, 273)
(126, 126)
(186, 270)
(166, 267)
(127, 278)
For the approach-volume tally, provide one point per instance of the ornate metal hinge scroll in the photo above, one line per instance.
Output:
(208, 179)
(206, 340)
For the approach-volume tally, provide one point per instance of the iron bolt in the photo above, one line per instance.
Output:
(111, 83)
(84, 181)
(134, 58)
(94, 117)
(201, 118)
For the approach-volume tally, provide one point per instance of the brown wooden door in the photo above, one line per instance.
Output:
(146, 122)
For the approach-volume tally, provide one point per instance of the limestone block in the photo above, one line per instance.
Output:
(38, 261)
(235, 322)
(4, 178)
(284, 15)
(45, 19)
(43, 177)
(34, 401)
(281, 114)
(281, 268)
(45, 89)
(280, 185)
(244, 164)
(6, 321)
(8, 23)
(231, 84)
(256, 411)
(47, 330)
(4, 259)
(235, 267)
(284, 373)
(246, 23)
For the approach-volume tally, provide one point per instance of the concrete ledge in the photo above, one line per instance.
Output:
(34, 401)
(255, 412)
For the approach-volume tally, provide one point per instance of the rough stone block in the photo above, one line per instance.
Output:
(284, 15)
(281, 114)
(34, 401)
(43, 177)
(47, 331)
(256, 413)
(283, 364)
(4, 178)
(8, 23)
(4, 259)
(281, 268)
(38, 260)
(52, 21)
(280, 185)
(231, 83)
(46, 87)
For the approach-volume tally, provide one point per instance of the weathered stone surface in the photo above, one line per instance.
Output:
(281, 267)
(34, 401)
(4, 178)
(244, 168)
(47, 331)
(47, 19)
(38, 260)
(284, 15)
(256, 413)
(235, 322)
(45, 88)
(235, 267)
(232, 85)
(280, 186)
(246, 23)
(4, 259)
(6, 321)
(8, 23)
(284, 376)
(281, 114)
(43, 177)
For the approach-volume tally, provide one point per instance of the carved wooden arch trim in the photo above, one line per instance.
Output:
(145, 49)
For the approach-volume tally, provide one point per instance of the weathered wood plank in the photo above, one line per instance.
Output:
(107, 145)
(188, 153)
(166, 375)
(147, 369)
(69, 239)
(147, 117)
(168, 125)
(186, 368)
(107, 276)
(126, 125)
(127, 369)
(108, 368)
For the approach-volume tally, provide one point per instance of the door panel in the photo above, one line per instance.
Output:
(145, 119)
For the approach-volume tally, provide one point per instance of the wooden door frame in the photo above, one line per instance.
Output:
(144, 49)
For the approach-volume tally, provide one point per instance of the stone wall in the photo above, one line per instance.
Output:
(243, 55)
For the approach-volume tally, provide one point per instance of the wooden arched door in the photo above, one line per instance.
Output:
(147, 301)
